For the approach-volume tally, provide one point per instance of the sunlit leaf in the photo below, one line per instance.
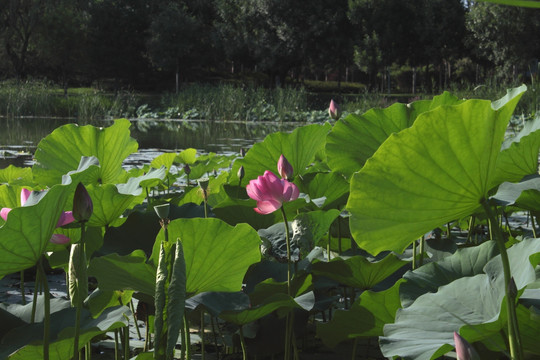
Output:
(436, 171)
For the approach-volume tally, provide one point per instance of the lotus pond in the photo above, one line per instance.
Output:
(386, 234)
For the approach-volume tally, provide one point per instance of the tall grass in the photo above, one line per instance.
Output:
(230, 102)
(43, 99)
(220, 102)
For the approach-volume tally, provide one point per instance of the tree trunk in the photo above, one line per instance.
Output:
(414, 80)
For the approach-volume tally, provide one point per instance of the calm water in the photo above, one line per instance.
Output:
(19, 137)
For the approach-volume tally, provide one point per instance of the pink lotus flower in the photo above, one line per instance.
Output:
(284, 168)
(333, 110)
(271, 192)
(464, 350)
(65, 218)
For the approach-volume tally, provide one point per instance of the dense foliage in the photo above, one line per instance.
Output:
(136, 43)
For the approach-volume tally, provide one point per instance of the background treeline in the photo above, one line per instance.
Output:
(398, 45)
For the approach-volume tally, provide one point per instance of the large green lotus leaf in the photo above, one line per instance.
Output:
(130, 272)
(208, 164)
(27, 231)
(525, 194)
(61, 151)
(16, 176)
(434, 172)
(217, 302)
(108, 203)
(519, 155)
(25, 342)
(215, 193)
(355, 138)
(357, 271)
(166, 159)
(275, 302)
(299, 147)
(366, 317)
(217, 255)
(100, 300)
(135, 185)
(10, 196)
(431, 276)
(425, 328)
(308, 228)
(327, 190)
(187, 156)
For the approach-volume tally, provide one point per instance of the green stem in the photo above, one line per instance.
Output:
(288, 240)
(135, 318)
(187, 340)
(126, 342)
(355, 344)
(414, 266)
(243, 343)
(471, 226)
(47, 308)
(533, 225)
(80, 292)
(34, 300)
(202, 335)
(513, 329)
(22, 288)
(422, 244)
(115, 344)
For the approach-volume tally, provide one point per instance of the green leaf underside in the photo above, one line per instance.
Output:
(434, 172)
(27, 231)
(425, 329)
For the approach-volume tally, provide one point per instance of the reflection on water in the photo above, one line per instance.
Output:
(19, 137)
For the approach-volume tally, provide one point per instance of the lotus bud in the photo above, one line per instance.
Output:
(334, 110)
(464, 350)
(241, 173)
(187, 169)
(162, 211)
(242, 152)
(82, 204)
(284, 168)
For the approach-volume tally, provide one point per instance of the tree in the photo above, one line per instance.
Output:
(18, 22)
(507, 36)
(174, 38)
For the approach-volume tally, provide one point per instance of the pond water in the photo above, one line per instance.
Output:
(19, 137)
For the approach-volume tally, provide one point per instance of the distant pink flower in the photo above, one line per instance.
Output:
(271, 192)
(464, 350)
(284, 168)
(334, 110)
(65, 218)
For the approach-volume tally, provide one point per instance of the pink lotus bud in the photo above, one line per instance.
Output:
(284, 168)
(334, 110)
(82, 204)
(464, 350)
(271, 192)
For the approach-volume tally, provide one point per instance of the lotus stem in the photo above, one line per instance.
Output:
(34, 298)
(187, 340)
(126, 342)
(202, 335)
(22, 288)
(82, 263)
(47, 308)
(243, 344)
(115, 344)
(516, 352)
(414, 265)
(135, 319)
(422, 245)
(533, 225)
(288, 240)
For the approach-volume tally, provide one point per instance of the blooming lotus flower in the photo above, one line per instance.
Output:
(284, 168)
(271, 192)
(65, 218)
(334, 110)
(464, 350)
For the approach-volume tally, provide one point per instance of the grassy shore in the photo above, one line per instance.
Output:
(215, 102)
